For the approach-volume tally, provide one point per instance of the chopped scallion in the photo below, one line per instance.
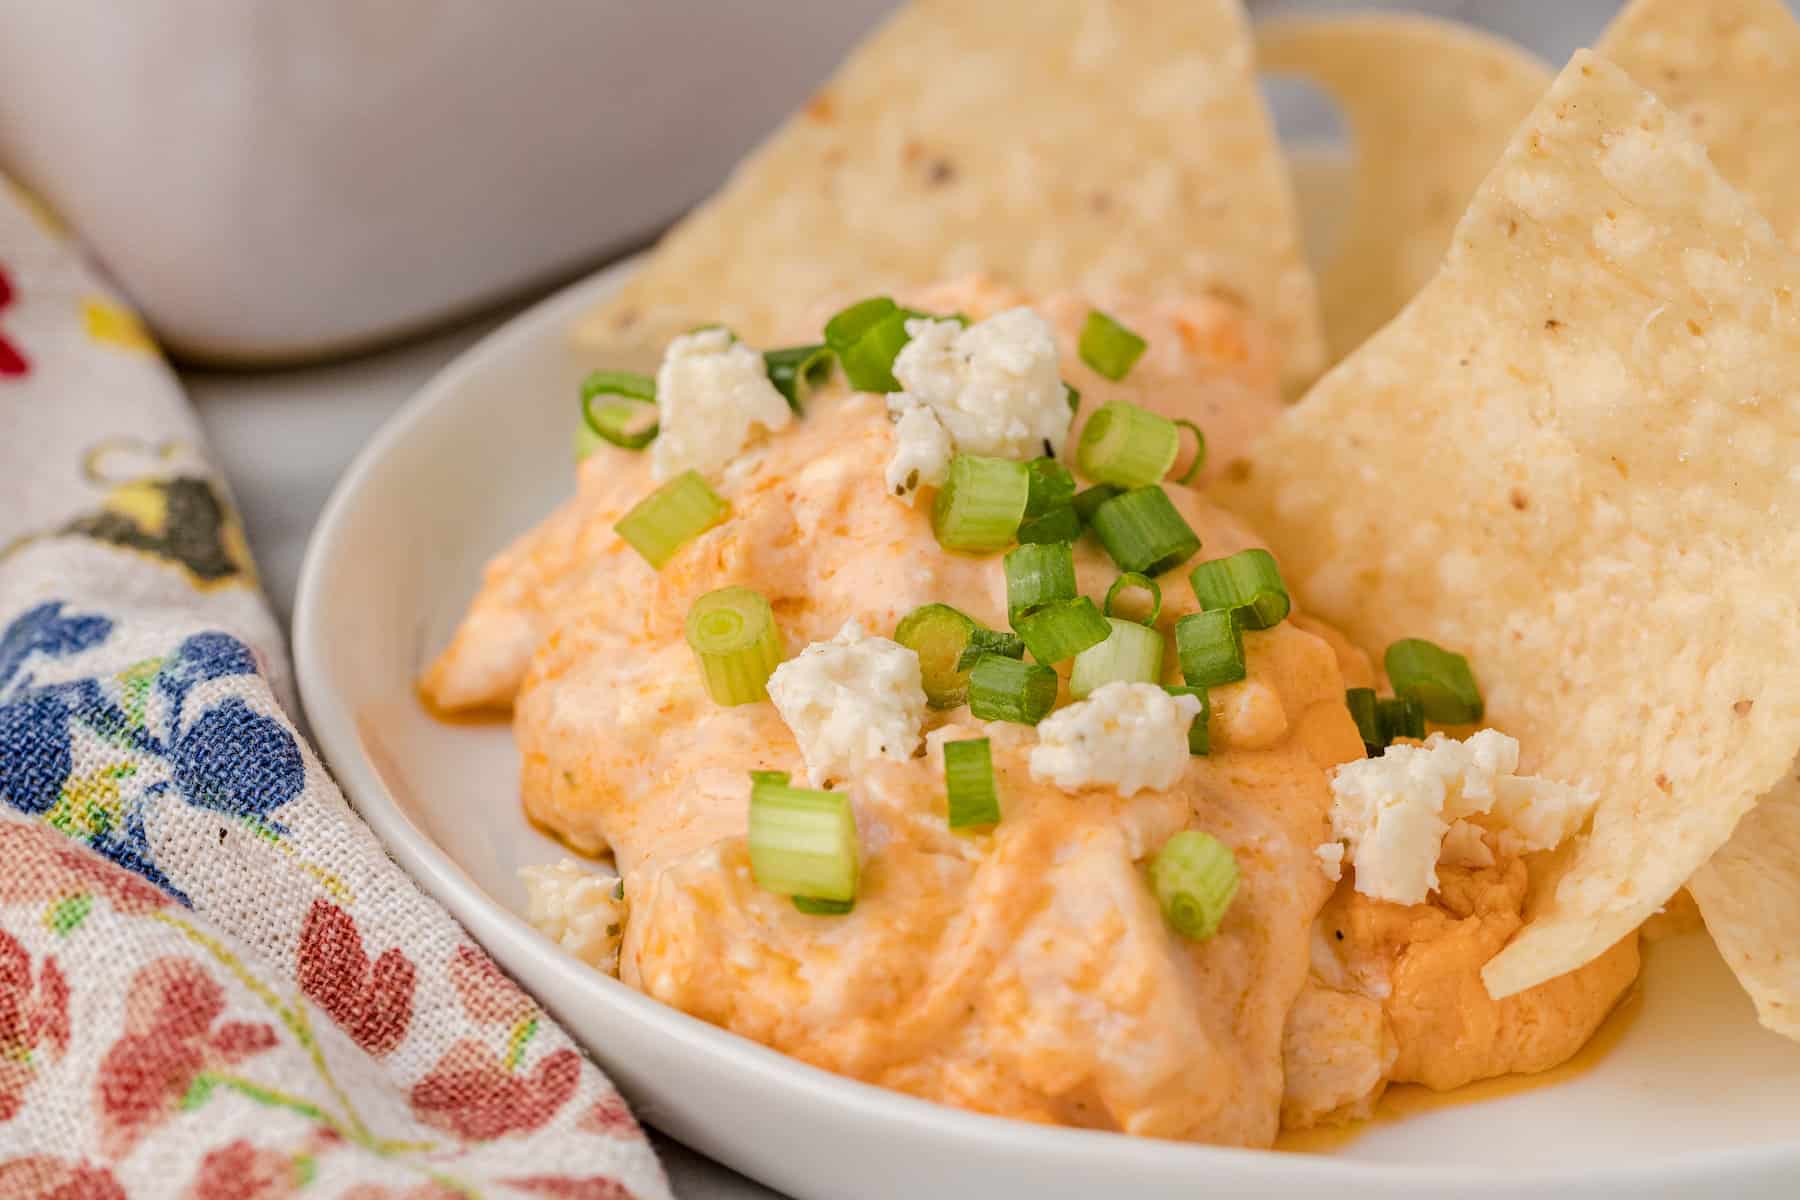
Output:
(1037, 575)
(1247, 583)
(670, 517)
(990, 641)
(1211, 648)
(1402, 716)
(1437, 678)
(1109, 347)
(822, 908)
(1131, 653)
(1052, 487)
(1057, 525)
(1086, 502)
(969, 783)
(1144, 532)
(797, 371)
(979, 507)
(1364, 711)
(1199, 459)
(1132, 581)
(1194, 877)
(1060, 631)
(940, 636)
(757, 777)
(1199, 732)
(847, 327)
(803, 842)
(1073, 396)
(1127, 446)
(732, 632)
(1006, 689)
(586, 442)
(620, 406)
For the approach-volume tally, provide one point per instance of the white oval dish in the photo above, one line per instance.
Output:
(1693, 1100)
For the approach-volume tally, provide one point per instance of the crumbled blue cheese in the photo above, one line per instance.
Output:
(849, 701)
(995, 388)
(1129, 736)
(713, 393)
(1399, 815)
(580, 910)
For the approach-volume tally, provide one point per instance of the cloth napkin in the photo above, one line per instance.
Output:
(213, 982)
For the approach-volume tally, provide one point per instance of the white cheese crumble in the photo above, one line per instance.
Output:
(1395, 813)
(849, 701)
(582, 911)
(994, 388)
(712, 392)
(1132, 736)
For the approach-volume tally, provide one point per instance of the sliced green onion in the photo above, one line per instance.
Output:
(1211, 648)
(869, 364)
(1037, 575)
(846, 328)
(670, 517)
(822, 908)
(586, 442)
(732, 632)
(797, 370)
(1073, 396)
(1365, 712)
(1005, 689)
(1052, 487)
(803, 842)
(1062, 630)
(940, 636)
(1109, 347)
(1057, 525)
(757, 777)
(1087, 502)
(979, 507)
(990, 641)
(1438, 679)
(1144, 532)
(1132, 581)
(1127, 446)
(1247, 583)
(1400, 717)
(1199, 733)
(620, 406)
(1131, 653)
(1199, 459)
(1194, 877)
(969, 783)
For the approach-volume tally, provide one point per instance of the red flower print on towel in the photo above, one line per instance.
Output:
(472, 1094)
(12, 363)
(41, 1177)
(372, 1002)
(169, 1042)
(34, 1018)
(422, 1191)
(45, 867)
(563, 1187)
(241, 1171)
(610, 1118)
(487, 995)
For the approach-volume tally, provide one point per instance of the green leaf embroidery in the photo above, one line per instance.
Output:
(522, 1034)
(66, 915)
(199, 1092)
(306, 1168)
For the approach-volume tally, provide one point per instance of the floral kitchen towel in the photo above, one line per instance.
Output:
(213, 983)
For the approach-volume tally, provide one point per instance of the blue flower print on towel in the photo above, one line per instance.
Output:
(225, 757)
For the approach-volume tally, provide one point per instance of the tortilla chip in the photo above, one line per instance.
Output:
(1749, 894)
(1119, 147)
(1323, 174)
(1572, 457)
(1731, 68)
(1430, 105)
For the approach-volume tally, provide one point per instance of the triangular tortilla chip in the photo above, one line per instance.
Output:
(1098, 147)
(1749, 894)
(1430, 105)
(1731, 68)
(1573, 458)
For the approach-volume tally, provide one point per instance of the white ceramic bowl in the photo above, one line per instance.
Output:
(1693, 1100)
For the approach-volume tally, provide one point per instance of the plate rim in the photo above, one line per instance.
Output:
(433, 870)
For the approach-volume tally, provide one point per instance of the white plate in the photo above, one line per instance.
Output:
(1694, 1099)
